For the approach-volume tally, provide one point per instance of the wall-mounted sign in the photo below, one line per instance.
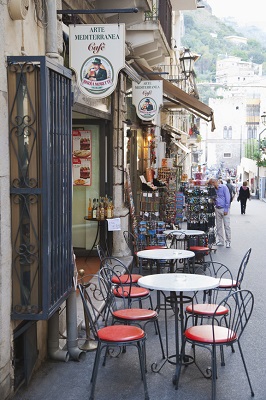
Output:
(97, 54)
(81, 160)
(147, 98)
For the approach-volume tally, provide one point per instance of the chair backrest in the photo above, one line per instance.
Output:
(240, 304)
(242, 268)
(112, 275)
(215, 270)
(169, 240)
(131, 241)
(102, 253)
(90, 314)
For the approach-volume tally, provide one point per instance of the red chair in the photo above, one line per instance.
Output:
(102, 255)
(225, 284)
(122, 312)
(114, 336)
(123, 287)
(229, 331)
(204, 304)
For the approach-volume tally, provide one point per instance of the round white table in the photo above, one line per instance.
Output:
(164, 254)
(186, 232)
(183, 234)
(177, 283)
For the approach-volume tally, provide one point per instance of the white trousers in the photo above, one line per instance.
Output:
(222, 224)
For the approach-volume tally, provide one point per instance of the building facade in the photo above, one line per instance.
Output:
(43, 112)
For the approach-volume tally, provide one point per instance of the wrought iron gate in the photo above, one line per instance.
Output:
(39, 93)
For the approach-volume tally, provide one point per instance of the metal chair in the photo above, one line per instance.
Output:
(124, 285)
(226, 284)
(132, 243)
(101, 252)
(229, 331)
(113, 336)
(102, 255)
(120, 307)
(204, 304)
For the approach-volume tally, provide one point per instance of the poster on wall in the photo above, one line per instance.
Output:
(147, 98)
(97, 54)
(81, 160)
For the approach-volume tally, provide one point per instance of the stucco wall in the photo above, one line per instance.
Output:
(21, 37)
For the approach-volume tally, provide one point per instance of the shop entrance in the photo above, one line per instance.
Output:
(92, 180)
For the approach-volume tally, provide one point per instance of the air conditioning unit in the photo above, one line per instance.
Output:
(18, 9)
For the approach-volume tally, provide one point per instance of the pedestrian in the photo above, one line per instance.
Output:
(222, 212)
(243, 195)
(232, 189)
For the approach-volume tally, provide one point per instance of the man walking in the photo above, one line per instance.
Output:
(222, 212)
(231, 188)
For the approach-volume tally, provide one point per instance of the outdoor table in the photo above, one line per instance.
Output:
(177, 283)
(163, 254)
(184, 234)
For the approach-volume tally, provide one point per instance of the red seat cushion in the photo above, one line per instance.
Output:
(134, 314)
(155, 247)
(204, 334)
(199, 248)
(124, 279)
(120, 333)
(206, 309)
(227, 283)
(134, 292)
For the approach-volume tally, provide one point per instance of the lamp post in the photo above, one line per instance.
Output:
(187, 63)
(263, 120)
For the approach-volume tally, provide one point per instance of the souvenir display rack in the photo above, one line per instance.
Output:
(171, 208)
(199, 207)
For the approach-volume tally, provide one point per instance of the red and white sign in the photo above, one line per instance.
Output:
(147, 98)
(97, 54)
(81, 158)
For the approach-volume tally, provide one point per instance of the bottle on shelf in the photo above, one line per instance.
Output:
(102, 211)
(97, 210)
(89, 209)
(94, 209)
(109, 210)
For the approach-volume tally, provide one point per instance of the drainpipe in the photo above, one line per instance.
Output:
(72, 330)
(54, 350)
(51, 30)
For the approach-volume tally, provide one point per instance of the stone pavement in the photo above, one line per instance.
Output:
(120, 378)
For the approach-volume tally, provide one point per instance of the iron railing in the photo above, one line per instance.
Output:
(40, 185)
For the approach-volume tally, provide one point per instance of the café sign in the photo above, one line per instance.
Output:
(147, 98)
(97, 54)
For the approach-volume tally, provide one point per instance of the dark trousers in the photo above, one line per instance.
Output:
(243, 203)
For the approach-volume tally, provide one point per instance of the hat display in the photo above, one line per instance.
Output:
(96, 61)
(147, 100)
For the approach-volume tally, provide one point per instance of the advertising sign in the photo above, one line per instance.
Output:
(82, 167)
(147, 98)
(97, 54)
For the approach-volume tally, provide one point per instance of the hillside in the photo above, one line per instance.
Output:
(205, 35)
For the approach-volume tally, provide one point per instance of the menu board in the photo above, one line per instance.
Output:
(81, 159)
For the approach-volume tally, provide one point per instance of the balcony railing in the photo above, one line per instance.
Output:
(162, 12)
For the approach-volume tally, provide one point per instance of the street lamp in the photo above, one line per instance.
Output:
(263, 120)
(187, 62)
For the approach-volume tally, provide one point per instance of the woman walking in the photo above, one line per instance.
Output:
(243, 195)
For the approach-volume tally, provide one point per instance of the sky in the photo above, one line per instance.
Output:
(244, 11)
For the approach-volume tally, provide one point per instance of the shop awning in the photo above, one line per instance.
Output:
(170, 128)
(177, 96)
(181, 146)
